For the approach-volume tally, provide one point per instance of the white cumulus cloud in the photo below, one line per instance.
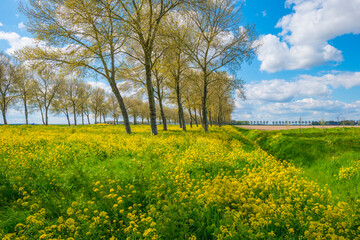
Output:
(336, 79)
(96, 84)
(310, 97)
(21, 26)
(309, 109)
(280, 90)
(15, 41)
(303, 41)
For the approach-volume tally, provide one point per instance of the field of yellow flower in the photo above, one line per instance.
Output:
(330, 157)
(96, 182)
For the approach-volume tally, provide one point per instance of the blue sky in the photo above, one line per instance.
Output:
(307, 66)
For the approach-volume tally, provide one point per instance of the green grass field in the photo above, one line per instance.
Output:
(96, 182)
(330, 156)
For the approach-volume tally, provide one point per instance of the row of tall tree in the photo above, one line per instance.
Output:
(40, 88)
(146, 42)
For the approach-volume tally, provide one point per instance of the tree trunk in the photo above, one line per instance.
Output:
(68, 118)
(104, 117)
(180, 108)
(219, 116)
(26, 113)
(42, 115)
(122, 105)
(46, 117)
(4, 116)
(191, 117)
(210, 119)
(179, 119)
(150, 90)
(196, 121)
(204, 105)
(100, 117)
(162, 114)
(82, 117)
(88, 118)
(74, 111)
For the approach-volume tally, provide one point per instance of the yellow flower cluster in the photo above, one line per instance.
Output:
(350, 172)
(96, 182)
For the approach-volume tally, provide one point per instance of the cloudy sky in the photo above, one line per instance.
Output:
(308, 65)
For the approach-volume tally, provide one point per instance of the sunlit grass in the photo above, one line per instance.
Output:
(96, 182)
(330, 157)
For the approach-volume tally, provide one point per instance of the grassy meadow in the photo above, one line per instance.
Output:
(331, 156)
(96, 182)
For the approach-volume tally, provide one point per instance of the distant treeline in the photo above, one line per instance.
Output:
(344, 122)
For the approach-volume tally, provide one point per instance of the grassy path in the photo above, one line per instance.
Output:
(330, 157)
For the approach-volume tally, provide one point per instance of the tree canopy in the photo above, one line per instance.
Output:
(170, 52)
